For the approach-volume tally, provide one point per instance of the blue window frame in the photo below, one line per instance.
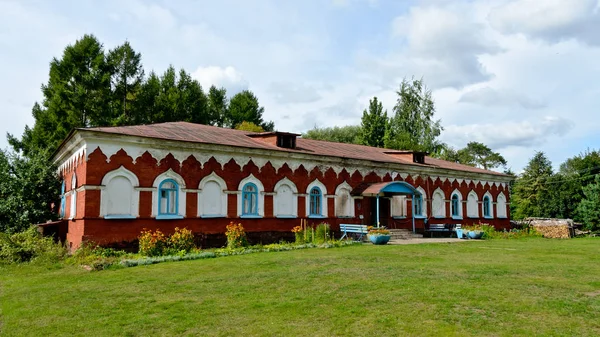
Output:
(455, 205)
(168, 197)
(418, 198)
(316, 198)
(63, 200)
(250, 199)
(487, 207)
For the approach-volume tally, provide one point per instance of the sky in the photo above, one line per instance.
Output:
(517, 75)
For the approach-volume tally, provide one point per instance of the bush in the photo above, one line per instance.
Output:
(322, 233)
(152, 243)
(28, 246)
(182, 240)
(236, 236)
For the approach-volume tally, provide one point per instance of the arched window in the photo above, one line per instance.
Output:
(487, 207)
(316, 202)
(118, 198)
(501, 206)
(455, 205)
(73, 206)
(418, 200)
(398, 206)
(168, 197)
(285, 203)
(212, 200)
(472, 207)
(344, 203)
(250, 199)
(63, 200)
(438, 205)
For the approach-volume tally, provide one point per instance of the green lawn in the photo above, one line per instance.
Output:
(495, 288)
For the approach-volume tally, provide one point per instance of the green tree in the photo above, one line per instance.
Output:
(193, 104)
(78, 94)
(217, 106)
(482, 156)
(244, 107)
(589, 208)
(531, 192)
(127, 76)
(345, 134)
(373, 124)
(249, 126)
(29, 187)
(146, 105)
(413, 126)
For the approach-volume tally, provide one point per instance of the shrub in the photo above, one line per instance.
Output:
(152, 243)
(30, 245)
(182, 240)
(298, 234)
(322, 233)
(236, 236)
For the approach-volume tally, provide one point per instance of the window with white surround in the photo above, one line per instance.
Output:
(472, 205)
(212, 200)
(398, 206)
(501, 206)
(118, 198)
(169, 199)
(438, 204)
(73, 206)
(344, 203)
(285, 202)
(486, 206)
(251, 198)
(63, 200)
(456, 204)
(420, 203)
(316, 201)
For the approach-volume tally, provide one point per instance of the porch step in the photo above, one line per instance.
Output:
(404, 234)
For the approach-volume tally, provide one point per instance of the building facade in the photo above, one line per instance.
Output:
(119, 180)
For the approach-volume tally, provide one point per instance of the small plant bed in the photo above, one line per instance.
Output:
(486, 231)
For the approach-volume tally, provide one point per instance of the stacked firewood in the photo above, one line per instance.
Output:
(553, 232)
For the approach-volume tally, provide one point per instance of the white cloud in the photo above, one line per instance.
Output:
(487, 96)
(227, 77)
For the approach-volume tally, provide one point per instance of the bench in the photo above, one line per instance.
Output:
(354, 230)
(442, 228)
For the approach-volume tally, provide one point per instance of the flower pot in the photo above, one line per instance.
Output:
(459, 233)
(379, 239)
(475, 234)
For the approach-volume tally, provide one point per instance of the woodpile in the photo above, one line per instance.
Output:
(553, 228)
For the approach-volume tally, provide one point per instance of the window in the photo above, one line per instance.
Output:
(63, 200)
(285, 203)
(438, 205)
(73, 205)
(118, 198)
(316, 200)
(487, 206)
(501, 206)
(212, 200)
(455, 205)
(418, 207)
(398, 206)
(344, 203)
(168, 194)
(250, 199)
(472, 207)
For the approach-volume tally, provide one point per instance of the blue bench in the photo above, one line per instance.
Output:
(443, 228)
(356, 231)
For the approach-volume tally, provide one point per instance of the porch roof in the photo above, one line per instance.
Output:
(390, 187)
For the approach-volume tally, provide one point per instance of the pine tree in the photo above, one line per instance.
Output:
(244, 107)
(589, 208)
(374, 124)
(127, 76)
(531, 192)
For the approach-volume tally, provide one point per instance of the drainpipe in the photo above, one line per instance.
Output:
(377, 210)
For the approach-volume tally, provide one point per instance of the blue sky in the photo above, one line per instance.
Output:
(518, 75)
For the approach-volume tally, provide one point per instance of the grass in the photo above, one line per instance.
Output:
(494, 288)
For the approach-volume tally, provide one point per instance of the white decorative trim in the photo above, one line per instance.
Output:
(145, 189)
(460, 201)
(223, 185)
(321, 186)
(473, 212)
(75, 159)
(438, 192)
(261, 198)
(460, 181)
(338, 194)
(169, 174)
(489, 195)
(135, 196)
(292, 186)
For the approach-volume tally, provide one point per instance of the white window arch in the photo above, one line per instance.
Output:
(285, 200)
(456, 204)
(420, 203)
(168, 197)
(212, 200)
(344, 203)
(73, 206)
(118, 198)
(501, 206)
(316, 201)
(251, 198)
(472, 205)
(438, 204)
(487, 211)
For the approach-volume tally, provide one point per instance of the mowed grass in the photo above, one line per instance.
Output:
(495, 288)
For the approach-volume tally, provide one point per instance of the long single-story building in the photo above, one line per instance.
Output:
(119, 180)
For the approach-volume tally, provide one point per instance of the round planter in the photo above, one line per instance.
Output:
(459, 233)
(475, 234)
(379, 239)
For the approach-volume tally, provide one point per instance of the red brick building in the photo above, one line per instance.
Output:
(119, 180)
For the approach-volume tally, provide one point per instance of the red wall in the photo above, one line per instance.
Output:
(89, 226)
